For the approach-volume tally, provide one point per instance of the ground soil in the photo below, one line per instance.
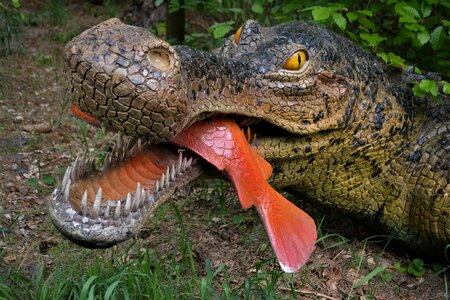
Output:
(39, 138)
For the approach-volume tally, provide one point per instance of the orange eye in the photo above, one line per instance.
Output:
(237, 35)
(296, 61)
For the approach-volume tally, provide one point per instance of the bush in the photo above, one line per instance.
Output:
(11, 23)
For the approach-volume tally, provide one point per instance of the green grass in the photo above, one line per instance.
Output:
(135, 273)
(140, 272)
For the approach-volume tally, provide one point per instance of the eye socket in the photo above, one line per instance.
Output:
(237, 35)
(296, 61)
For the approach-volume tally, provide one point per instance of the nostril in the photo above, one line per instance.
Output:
(160, 59)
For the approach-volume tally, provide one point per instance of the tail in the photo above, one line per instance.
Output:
(291, 231)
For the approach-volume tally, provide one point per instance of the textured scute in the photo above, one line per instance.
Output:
(344, 132)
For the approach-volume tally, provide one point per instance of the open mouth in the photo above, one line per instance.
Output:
(102, 206)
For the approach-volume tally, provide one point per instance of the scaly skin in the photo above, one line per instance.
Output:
(342, 132)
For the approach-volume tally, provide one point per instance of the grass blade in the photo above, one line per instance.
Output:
(371, 275)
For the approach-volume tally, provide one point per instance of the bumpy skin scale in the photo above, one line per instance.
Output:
(344, 132)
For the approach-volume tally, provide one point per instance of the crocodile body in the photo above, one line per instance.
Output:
(341, 131)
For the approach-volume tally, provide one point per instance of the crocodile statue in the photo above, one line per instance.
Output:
(337, 126)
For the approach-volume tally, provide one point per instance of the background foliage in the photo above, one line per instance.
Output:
(401, 33)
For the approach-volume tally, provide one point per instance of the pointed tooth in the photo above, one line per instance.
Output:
(83, 164)
(127, 204)
(119, 140)
(143, 197)
(184, 164)
(67, 190)
(157, 186)
(97, 202)
(166, 183)
(162, 181)
(74, 173)
(132, 146)
(106, 213)
(137, 194)
(66, 176)
(189, 162)
(117, 211)
(173, 173)
(180, 161)
(83, 204)
(136, 202)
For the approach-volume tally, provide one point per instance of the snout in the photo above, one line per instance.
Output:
(127, 78)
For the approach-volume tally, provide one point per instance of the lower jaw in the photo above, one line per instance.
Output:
(99, 208)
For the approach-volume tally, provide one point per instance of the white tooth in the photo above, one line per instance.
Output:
(106, 213)
(167, 176)
(163, 180)
(74, 173)
(128, 204)
(97, 202)
(136, 202)
(137, 194)
(173, 172)
(157, 186)
(84, 203)
(180, 161)
(189, 162)
(117, 211)
(67, 189)
(119, 140)
(82, 165)
(66, 176)
(143, 197)
(184, 164)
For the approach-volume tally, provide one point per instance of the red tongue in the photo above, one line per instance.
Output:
(291, 231)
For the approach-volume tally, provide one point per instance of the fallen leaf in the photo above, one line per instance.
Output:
(43, 127)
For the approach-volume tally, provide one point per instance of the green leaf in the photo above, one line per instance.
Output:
(49, 180)
(423, 37)
(320, 13)
(392, 59)
(387, 276)
(417, 91)
(426, 11)
(339, 20)
(416, 268)
(411, 11)
(158, 2)
(110, 289)
(366, 12)
(437, 37)
(372, 38)
(15, 3)
(86, 285)
(399, 268)
(445, 87)
(257, 8)
(429, 86)
(221, 30)
(371, 275)
(352, 16)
